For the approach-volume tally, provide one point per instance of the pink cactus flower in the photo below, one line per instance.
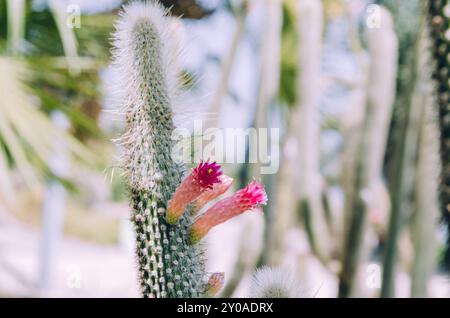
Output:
(243, 200)
(210, 194)
(202, 178)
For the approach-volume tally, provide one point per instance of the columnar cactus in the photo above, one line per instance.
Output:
(438, 17)
(380, 86)
(170, 263)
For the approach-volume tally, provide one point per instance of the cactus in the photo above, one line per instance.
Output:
(168, 265)
(434, 101)
(425, 217)
(416, 133)
(170, 262)
(227, 66)
(406, 16)
(266, 98)
(423, 132)
(276, 282)
(382, 47)
(438, 19)
(305, 119)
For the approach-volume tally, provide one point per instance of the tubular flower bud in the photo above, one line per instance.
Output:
(209, 195)
(202, 178)
(243, 200)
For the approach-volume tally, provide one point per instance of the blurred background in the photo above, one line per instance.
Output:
(358, 89)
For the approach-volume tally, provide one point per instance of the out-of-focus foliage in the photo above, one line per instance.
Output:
(63, 62)
(75, 95)
(54, 79)
(47, 66)
(28, 138)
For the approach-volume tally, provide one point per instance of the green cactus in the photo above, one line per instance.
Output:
(168, 265)
(170, 261)
(438, 18)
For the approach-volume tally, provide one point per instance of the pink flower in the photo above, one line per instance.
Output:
(245, 199)
(202, 178)
(214, 285)
(211, 194)
(207, 174)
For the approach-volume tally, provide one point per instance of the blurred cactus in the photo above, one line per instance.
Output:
(382, 47)
(406, 22)
(274, 283)
(270, 68)
(267, 97)
(227, 64)
(307, 125)
(425, 218)
(438, 18)
(406, 16)
(416, 133)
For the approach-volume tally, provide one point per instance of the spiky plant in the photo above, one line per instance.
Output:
(276, 282)
(168, 265)
(170, 262)
(438, 18)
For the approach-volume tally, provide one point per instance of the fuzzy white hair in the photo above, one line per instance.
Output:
(276, 282)
(144, 76)
(124, 66)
